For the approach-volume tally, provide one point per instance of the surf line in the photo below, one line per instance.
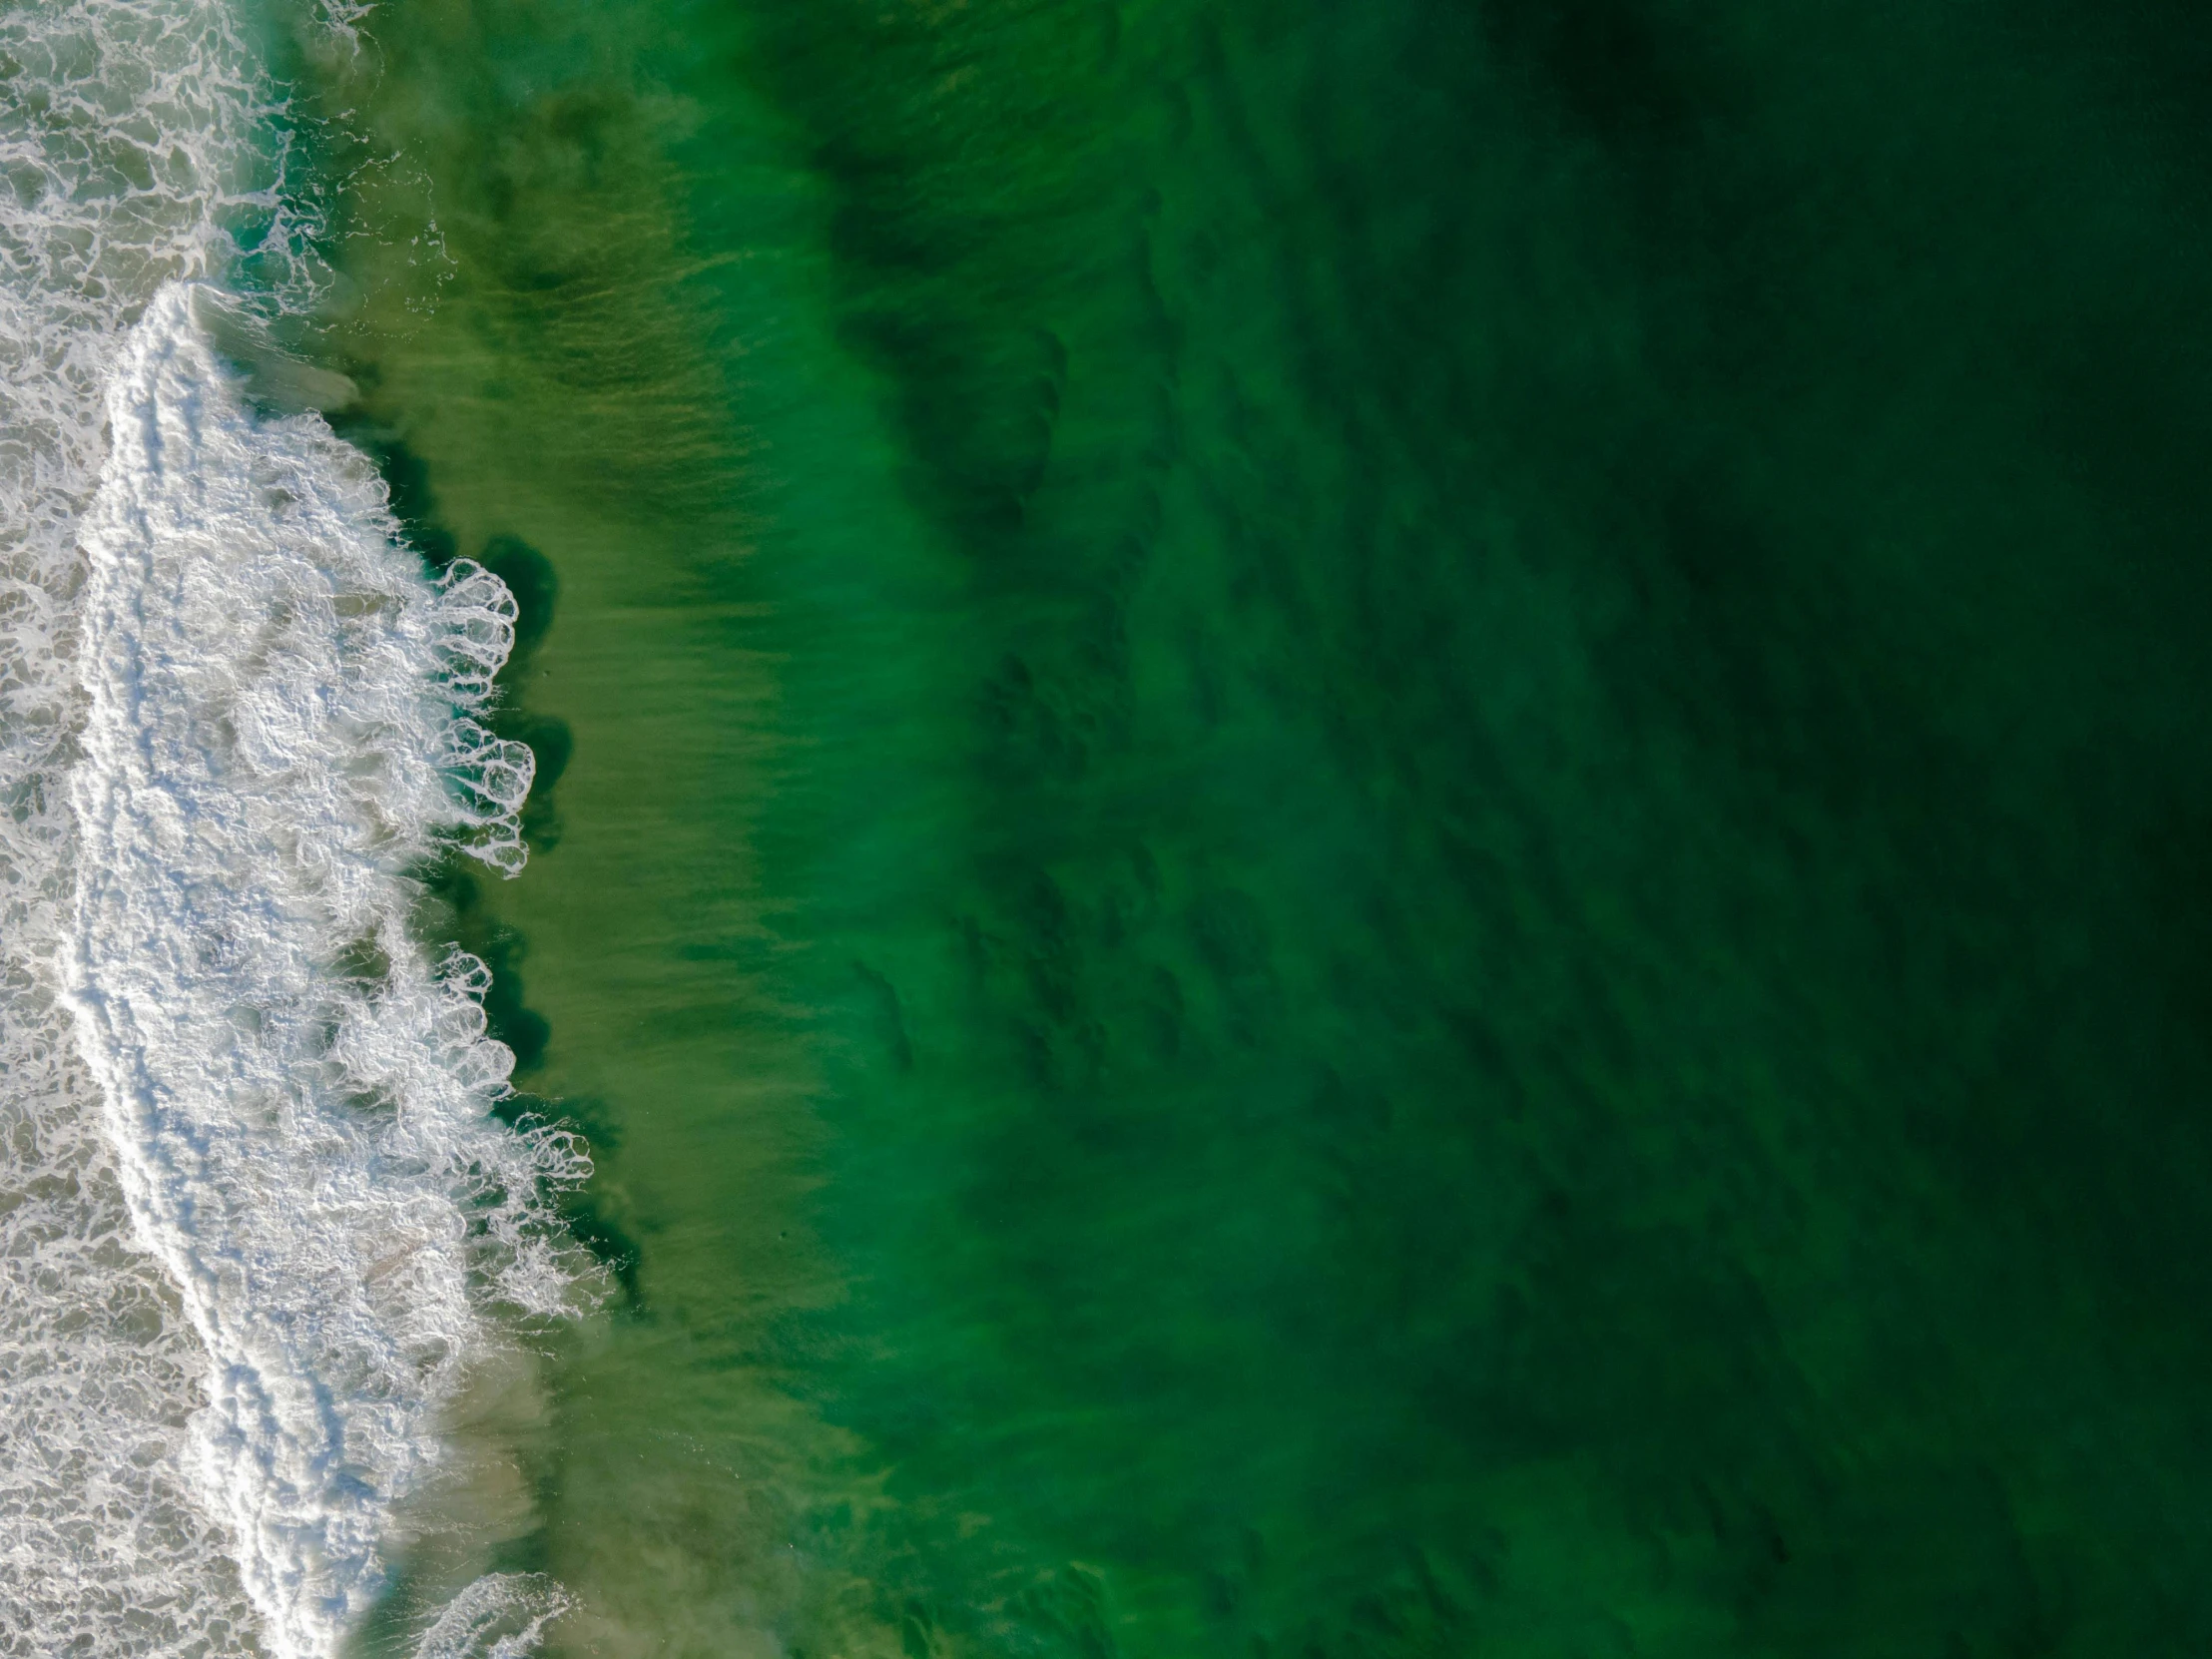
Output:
(283, 718)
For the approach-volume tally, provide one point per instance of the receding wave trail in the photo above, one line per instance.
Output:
(255, 1221)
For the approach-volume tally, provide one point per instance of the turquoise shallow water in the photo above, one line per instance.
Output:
(1384, 826)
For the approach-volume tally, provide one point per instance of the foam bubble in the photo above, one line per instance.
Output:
(280, 723)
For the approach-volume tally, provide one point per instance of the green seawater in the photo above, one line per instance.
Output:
(1367, 827)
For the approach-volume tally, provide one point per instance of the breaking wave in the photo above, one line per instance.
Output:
(281, 726)
(257, 1219)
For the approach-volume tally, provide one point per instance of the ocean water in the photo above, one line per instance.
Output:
(1353, 831)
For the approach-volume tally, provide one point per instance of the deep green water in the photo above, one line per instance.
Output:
(1387, 826)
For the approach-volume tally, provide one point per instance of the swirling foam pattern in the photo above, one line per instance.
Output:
(239, 1282)
(127, 145)
(299, 1097)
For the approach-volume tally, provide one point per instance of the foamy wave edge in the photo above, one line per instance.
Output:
(283, 721)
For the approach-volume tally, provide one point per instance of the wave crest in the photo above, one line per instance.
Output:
(282, 723)
(136, 148)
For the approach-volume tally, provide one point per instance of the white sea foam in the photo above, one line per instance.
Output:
(499, 1616)
(239, 1282)
(300, 1099)
(128, 148)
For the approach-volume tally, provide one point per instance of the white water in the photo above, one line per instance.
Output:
(255, 1220)
(500, 1616)
(300, 1098)
(125, 139)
